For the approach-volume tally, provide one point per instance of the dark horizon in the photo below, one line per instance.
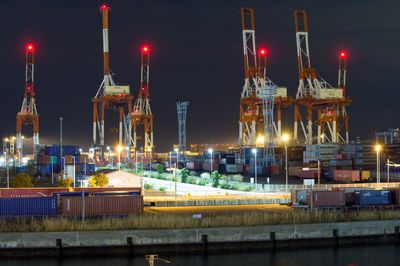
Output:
(196, 56)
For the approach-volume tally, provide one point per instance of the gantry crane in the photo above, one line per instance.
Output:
(315, 93)
(109, 95)
(141, 113)
(28, 114)
(252, 121)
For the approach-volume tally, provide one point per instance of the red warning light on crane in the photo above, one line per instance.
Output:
(342, 54)
(263, 52)
(104, 7)
(143, 89)
(145, 49)
(28, 88)
(29, 47)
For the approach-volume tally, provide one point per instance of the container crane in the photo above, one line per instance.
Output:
(28, 115)
(315, 93)
(141, 113)
(109, 95)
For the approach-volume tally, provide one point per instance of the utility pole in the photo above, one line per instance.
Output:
(61, 145)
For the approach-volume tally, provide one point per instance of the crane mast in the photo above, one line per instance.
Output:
(28, 113)
(141, 111)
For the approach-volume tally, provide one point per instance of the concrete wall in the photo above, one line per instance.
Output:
(194, 236)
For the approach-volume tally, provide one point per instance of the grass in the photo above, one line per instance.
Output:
(185, 220)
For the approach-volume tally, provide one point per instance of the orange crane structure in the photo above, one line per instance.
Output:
(141, 113)
(28, 114)
(252, 122)
(314, 93)
(109, 96)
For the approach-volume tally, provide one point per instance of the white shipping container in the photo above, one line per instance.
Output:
(324, 147)
(328, 94)
(115, 90)
(69, 171)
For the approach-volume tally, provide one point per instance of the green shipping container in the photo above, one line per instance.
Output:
(53, 160)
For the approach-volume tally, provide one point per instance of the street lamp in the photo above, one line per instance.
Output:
(378, 170)
(73, 158)
(260, 140)
(255, 165)
(285, 139)
(210, 150)
(119, 148)
(177, 156)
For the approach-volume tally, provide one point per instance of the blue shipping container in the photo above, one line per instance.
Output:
(328, 173)
(372, 197)
(20, 169)
(88, 167)
(28, 206)
(121, 193)
(69, 194)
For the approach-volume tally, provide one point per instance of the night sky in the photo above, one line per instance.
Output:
(196, 55)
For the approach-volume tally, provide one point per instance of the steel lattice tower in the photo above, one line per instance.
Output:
(182, 110)
(268, 94)
(28, 114)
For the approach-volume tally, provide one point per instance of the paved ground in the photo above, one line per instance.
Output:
(209, 209)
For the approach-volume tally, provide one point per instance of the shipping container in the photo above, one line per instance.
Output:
(301, 195)
(332, 198)
(99, 206)
(28, 206)
(192, 165)
(83, 158)
(29, 192)
(261, 170)
(341, 156)
(365, 175)
(308, 173)
(274, 170)
(52, 159)
(20, 169)
(51, 150)
(294, 170)
(395, 196)
(346, 175)
(87, 168)
(117, 193)
(331, 147)
(42, 159)
(328, 173)
(234, 168)
(70, 194)
(92, 190)
(207, 166)
(372, 197)
(340, 162)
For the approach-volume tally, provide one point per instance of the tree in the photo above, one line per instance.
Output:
(160, 169)
(184, 174)
(215, 177)
(65, 182)
(21, 180)
(99, 180)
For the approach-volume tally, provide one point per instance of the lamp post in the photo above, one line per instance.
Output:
(255, 165)
(177, 156)
(136, 160)
(119, 148)
(210, 150)
(170, 173)
(378, 170)
(285, 139)
(73, 158)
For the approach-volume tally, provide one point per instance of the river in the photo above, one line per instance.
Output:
(348, 256)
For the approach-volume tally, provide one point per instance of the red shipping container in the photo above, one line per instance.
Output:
(341, 156)
(68, 159)
(274, 170)
(326, 198)
(207, 166)
(308, 173)
(346, 175)
(102, 205)
(43, 159)
(30, 192)
(192, 165)
(294, 170)
(92, 190)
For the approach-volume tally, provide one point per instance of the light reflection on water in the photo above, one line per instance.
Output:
(366, 255)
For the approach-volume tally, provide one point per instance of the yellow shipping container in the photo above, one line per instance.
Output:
(365, 175)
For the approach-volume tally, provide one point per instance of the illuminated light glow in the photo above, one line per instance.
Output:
(263, 52)
(145, 49)
(28, 88)
(104, 7)
(378, 147)
(260, 139)
(285, 137)
(143, 89)
(29, 47)
(342, 54)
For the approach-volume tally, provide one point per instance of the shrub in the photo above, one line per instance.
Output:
(235, 187)
(99, 180)
(184, 175)
(215, 177)
(160, 169)
(162, 188)
(225, 186)
(21, 180)
(203, 182)
(193, 173)
(237, 178)
(248, 188)
(192, 180)
(148, 186)
(65, 182)
(205, 175)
